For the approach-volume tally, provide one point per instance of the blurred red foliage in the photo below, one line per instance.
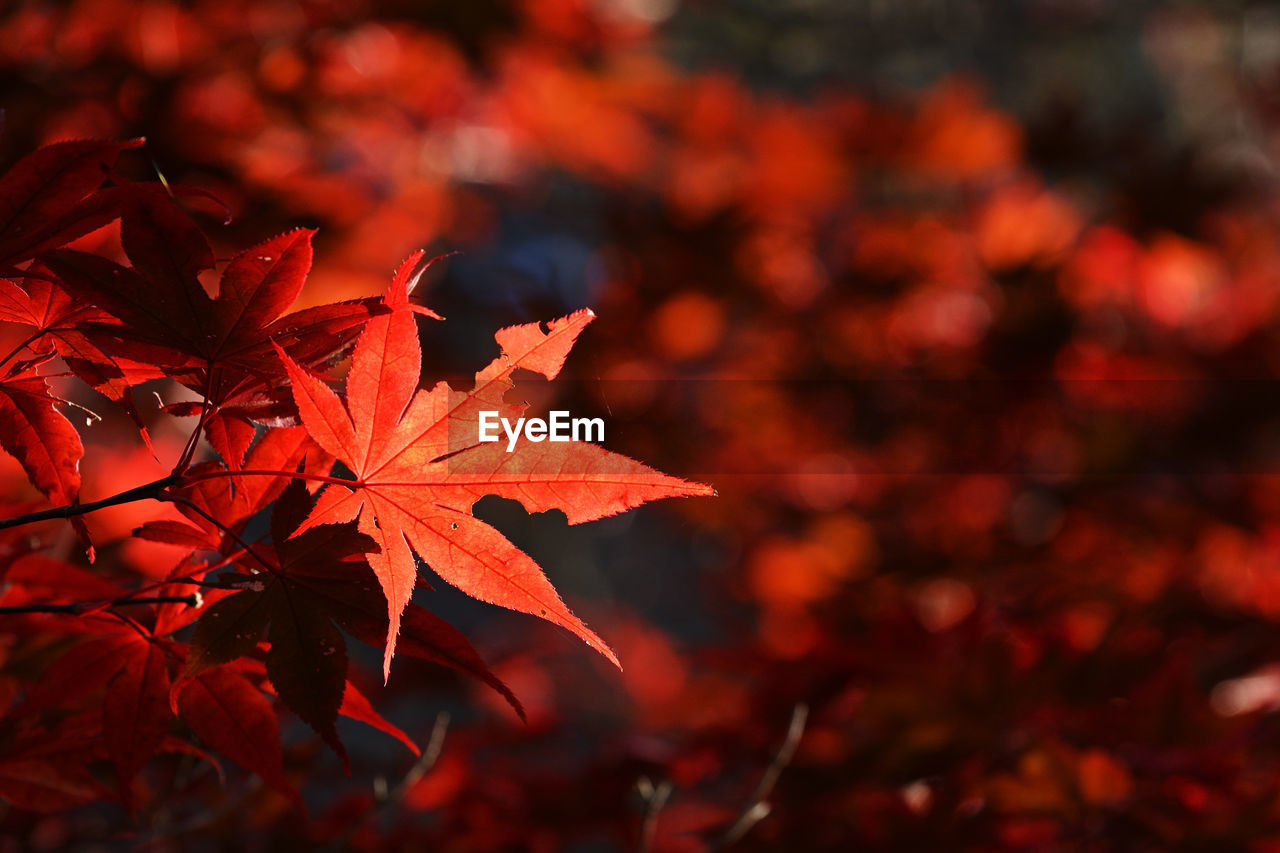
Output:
(995, 439)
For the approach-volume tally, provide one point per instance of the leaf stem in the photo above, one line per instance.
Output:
(192, 505)
(188, 452)
(133, 623)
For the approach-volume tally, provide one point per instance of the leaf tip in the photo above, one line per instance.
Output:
(284, 356)
(407, 277)
(389, 652)
(608, 653)
(425, 311)
(174, 689)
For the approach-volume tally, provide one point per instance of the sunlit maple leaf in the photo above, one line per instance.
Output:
(414, 487)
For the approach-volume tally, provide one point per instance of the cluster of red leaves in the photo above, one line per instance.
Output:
(354, 485)
(1050, 624)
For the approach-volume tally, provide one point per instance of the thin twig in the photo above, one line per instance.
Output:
(147, 491)
(204, 584)
(189, 581)
(758, 806)
(385, 799)
(20, 347)
(430, 755)
(87, 606)
(654, 800)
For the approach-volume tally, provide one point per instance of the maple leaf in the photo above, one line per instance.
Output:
(352, 596)
(40, 437)
(60, 323)
(82, 670)
(173, 532)
(219, 347)
(318, 578)
(161, 301)
(306, 661)
(231, 715)
(414, 486)
(233, 504)
(356, 706)
(45, 769)
(40, 305)
(43, 200)
(130, 725)
(134, 713)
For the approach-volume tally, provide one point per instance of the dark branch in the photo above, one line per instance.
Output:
(147, 491)
(84, 606)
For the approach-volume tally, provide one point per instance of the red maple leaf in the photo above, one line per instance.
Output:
(418, 473)
(314, 580)
(231, 715)
(40, 437)
(158, 313)
(45, 201)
